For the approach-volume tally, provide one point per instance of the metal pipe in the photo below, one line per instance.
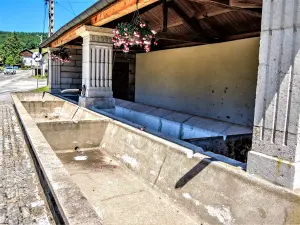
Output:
(66, 91)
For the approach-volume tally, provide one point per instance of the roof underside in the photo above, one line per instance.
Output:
(196, 22)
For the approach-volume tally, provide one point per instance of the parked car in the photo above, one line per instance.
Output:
(9, 70)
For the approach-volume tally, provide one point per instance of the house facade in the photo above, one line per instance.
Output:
(27, 59)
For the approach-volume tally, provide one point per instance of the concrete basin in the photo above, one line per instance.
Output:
(102, 171)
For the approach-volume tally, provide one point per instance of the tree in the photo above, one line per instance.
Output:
(9, 61)
(11, 49)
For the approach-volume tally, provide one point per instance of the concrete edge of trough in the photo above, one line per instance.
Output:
(257, 186)
(192, 149)
(215, 162)
(73, 206)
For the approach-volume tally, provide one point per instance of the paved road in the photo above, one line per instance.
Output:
(22, 200)
(18, 82)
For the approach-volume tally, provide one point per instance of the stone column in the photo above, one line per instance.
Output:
(53, 74)
(97, 57)
(275, 152)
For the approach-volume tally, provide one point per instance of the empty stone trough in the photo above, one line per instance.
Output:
(102, 171)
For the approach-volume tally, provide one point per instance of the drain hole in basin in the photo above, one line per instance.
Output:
(80, 156)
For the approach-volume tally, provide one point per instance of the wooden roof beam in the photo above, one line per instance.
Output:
(117, 10)
(179, 38)
(211, 13)
(241, 36)
(191, 22)
(227, 6)
(159, 27)
(106, 15)
(165, 16)
(246, 3)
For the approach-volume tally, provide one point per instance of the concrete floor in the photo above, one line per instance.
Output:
(120, 197)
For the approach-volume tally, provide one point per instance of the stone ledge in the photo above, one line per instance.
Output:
(71, 74)
(71, 69)
(73, 206)
(276, 170)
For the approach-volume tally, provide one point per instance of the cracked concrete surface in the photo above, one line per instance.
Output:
(22, 200)
(119, 196)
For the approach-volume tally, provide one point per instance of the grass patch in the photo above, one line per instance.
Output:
(39, 77)
(42, 89)
(44, 50)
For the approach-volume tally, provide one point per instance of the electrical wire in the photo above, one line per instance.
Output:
(71, 8)
(65, 8)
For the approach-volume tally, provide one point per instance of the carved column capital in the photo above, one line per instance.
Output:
(101, 39)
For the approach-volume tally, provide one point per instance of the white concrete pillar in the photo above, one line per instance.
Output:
(275, 152)
(54, 69)
(97, 51)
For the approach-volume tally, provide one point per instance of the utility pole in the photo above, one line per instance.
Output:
(51, 17)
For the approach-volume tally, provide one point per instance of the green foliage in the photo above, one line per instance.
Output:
(40, 77)
(136, 33)
(12, 43)
(10, 50)
(28, 40)
(10, 60)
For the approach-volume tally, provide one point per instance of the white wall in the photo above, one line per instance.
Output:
(28, 61)
(216, 81)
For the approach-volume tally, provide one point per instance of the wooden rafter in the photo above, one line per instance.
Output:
(183, 45)
(226, 6)
(191, 22)
(241, 36)
(113, 12)
(246, 3)
(226, 38)
(174, 23)
(211, 13)
(165, 16)
(179, 38)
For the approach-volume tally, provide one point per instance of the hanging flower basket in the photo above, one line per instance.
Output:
(135, 33)
(61, 55)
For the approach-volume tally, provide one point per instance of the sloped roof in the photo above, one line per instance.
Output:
(189, 22)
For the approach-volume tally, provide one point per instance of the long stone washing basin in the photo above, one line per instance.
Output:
(102, 171)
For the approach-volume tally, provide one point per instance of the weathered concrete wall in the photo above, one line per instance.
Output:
(72, 205)
(275, 155)
(216, 81)
(216, 192)
(39, 96)
(213, 190)
(70, 135)
(71, 73)
(66, 75)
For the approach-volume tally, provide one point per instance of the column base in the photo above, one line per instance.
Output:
(273, 169)
(99, 102)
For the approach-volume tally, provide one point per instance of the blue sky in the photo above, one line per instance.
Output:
(28, 15)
